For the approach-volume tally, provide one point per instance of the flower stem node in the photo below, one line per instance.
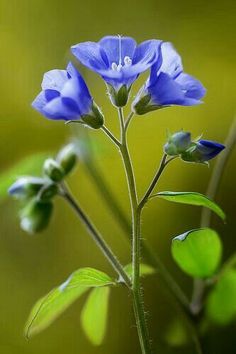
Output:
(36, 216)
(95, 118)
(67, 158)
(119, 98)
(53, 170)
(177, 143)
(26, 187)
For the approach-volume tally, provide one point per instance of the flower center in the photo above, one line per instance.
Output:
(127, 60)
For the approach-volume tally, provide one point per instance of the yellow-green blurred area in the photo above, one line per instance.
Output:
(35, 36)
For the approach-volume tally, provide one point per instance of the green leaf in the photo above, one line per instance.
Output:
(221, 302)
(197, 252)
(28, 165)
(192, 198)
(94, 315)
(50, 307)
(145, 269)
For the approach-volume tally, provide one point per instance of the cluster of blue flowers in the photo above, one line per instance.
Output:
(120, 61)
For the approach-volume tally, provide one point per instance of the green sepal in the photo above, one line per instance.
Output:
(144, 105)
(95, 118)
(119, 98)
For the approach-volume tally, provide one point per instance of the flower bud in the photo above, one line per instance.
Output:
(67, 158)
(26, 187)
(47, 192)
(202, 151)
(118, 98)
(53, 170)
(36, 216)
(95, 118)
(178, 143)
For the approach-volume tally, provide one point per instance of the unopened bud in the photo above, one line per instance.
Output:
(36, 216)
(26, 187)
(53, 170)
(177, 143)
(67, 158)
(47, 192)
(202, 151)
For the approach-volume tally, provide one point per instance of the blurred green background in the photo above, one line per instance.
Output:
(35, 36)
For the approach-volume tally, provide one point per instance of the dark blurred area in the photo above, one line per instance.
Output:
(35, 36)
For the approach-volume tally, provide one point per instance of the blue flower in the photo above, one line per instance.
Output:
(168, 84)
(119, 60)
(65, 96)
(202, 151)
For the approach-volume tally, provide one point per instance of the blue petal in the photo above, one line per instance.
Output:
(146, 54)
(91, 55)
(166, 91)
(76, 89)
(62, 108)
(171, 60)
(54, 79)
(117, 48)
(193, 87)
(39, 102)
(209, 149)
(51, 94)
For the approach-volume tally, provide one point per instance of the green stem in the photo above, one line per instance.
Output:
(148, 254)
(96, 236)
(110, 135)
(163, 164)
(136, 241)
(128, 120)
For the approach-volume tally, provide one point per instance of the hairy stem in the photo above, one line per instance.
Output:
(96, 236)
(148, 254)
(136, 242)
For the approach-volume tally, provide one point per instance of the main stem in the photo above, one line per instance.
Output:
(136, 242)
(96, 236)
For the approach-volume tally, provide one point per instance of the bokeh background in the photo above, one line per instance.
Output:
(35, 36)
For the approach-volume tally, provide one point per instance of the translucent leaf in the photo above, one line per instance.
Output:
(48, 308)
(197, 252)
(94, 315)
(221, 302)
(192, 198)
(145, 269)
(29, 165)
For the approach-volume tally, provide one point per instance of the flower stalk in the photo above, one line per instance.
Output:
(136, 242)
(96, 236)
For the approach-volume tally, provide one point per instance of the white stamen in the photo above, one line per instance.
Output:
(114, 66)
(127, 61)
